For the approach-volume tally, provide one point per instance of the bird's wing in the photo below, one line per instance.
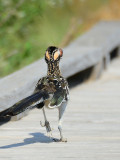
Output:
(27, 103)
(57, 99)
(60, 95)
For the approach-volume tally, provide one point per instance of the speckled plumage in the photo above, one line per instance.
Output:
(51, 91)
(55, 86)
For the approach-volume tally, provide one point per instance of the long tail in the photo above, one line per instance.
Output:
(27, 103)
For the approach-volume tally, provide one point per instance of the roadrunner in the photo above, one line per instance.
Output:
(51, 92)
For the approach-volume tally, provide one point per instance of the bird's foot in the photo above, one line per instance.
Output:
(60, 140)
(48, 128)
(47, 125)
(63, 139)
(49, 134)
(43, 125)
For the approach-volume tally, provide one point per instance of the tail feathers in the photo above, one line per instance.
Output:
(27, 103)
(4, 119)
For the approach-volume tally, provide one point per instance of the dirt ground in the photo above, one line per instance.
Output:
(108, 12)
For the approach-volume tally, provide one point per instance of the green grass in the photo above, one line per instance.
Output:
(34, 26)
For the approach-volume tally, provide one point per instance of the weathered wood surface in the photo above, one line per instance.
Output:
(88, 50)
(92, 126)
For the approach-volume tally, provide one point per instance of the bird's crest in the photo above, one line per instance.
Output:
(53, 54)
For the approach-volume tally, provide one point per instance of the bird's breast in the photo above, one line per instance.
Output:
(47, 102)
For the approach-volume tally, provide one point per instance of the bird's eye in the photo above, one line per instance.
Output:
(47, 55)
(56, 55)
(61, 52)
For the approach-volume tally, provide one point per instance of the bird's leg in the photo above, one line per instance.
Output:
(47, 124)
(61, 112)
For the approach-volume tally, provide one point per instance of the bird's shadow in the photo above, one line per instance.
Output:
(37, 138)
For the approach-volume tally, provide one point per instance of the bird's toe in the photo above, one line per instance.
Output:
(60, 140)
(63, 139)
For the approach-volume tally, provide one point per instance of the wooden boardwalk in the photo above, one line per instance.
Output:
(91, 124)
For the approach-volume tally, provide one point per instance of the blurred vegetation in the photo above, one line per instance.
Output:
(28, 27)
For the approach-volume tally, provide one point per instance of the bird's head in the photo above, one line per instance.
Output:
(53, 54)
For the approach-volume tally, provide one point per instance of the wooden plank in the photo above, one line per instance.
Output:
(88, 50)
(91, 124)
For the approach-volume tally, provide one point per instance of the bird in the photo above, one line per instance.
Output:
(51, 91)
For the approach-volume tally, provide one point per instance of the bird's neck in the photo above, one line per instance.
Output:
(53, 69)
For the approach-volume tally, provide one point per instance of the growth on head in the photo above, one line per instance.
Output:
(52, 57)
(53, 54)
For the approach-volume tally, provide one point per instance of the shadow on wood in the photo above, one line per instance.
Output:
(37, 138)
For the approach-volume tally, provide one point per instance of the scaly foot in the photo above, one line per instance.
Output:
(63, 139)
(60, 140)
(48, 128)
